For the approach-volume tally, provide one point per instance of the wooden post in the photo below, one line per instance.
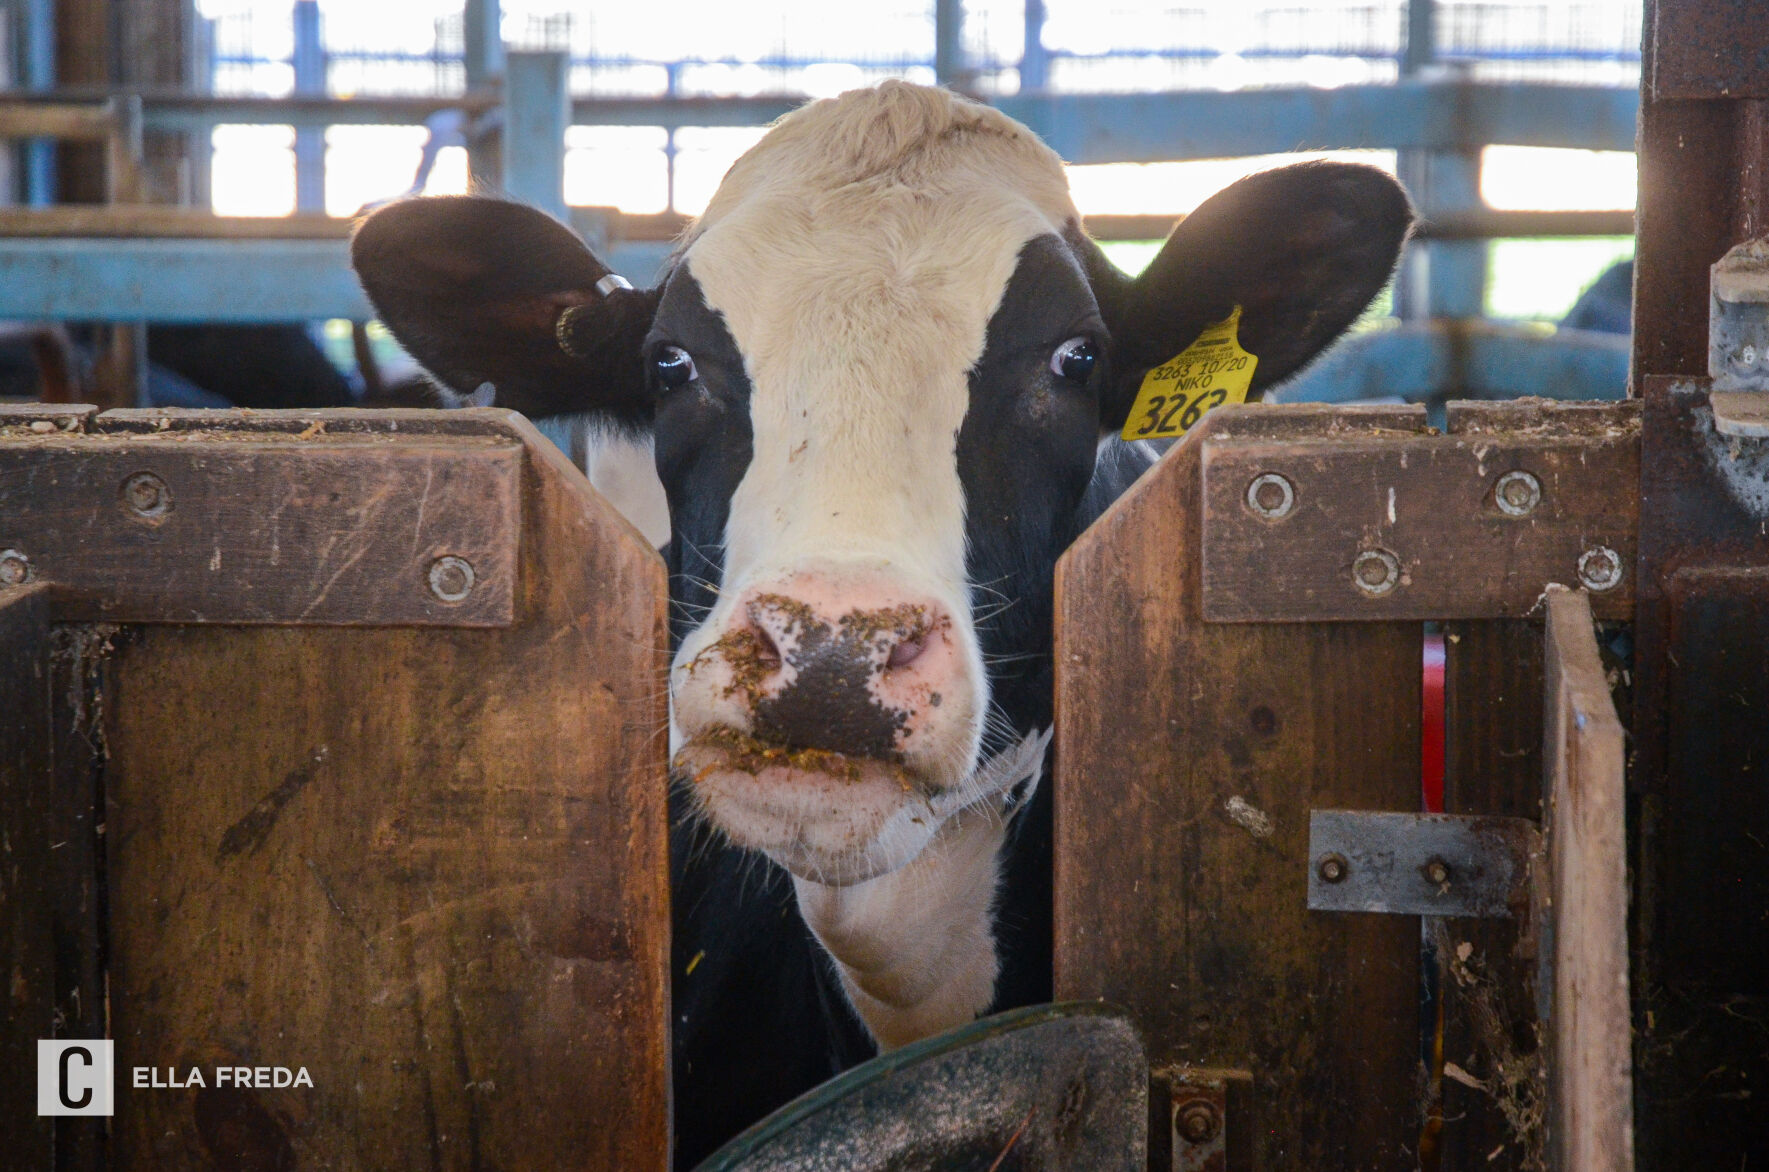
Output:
(1584, 898)
(1189, 755)
(1492, 765)
(1701, 705)
(27, 935)
(428, 864)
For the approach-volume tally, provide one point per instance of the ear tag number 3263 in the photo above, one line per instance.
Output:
(1210, 372)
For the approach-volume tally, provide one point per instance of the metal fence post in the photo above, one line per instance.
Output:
(1034, 58)
(1443, 278)
(37, 72)
(536, 113)
(483, 52)
(949, 67)
(310, 79)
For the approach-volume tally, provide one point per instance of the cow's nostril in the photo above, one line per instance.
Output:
(767, 652)
(906, 652)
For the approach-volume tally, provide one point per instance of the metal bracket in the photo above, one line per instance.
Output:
(1419, 864)
(1741, 413)
(1199, 1099)
(1738, 318)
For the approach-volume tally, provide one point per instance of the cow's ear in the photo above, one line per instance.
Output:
(1303, 250)
(487, 291)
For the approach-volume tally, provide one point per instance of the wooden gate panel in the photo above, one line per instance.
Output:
(1189, 757)
(1492, 765)
(428, 865)
(27, 961)
(1585, 903)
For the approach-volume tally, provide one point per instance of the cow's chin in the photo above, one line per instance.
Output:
(825, 817)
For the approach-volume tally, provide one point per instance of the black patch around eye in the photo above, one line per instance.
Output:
(702, 441)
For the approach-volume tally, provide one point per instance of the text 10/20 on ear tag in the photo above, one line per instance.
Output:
(1210, 372)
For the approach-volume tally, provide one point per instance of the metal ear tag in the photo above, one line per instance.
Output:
(612, 282)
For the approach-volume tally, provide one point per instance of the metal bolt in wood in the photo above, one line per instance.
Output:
(1376, 572)
(451, 578)
(146, 497)
(1271, 496)
(1600, 568)
(1197, 1122)
(1517, 494)
(15, 568)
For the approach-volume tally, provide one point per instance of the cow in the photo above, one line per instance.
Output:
(883, 376)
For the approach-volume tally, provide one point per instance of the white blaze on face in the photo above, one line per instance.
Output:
(856, 255)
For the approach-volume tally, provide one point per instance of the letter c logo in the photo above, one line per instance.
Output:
(85, 1092)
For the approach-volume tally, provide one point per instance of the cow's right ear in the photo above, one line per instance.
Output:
(488, 291)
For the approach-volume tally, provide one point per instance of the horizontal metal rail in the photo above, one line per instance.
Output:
(1083, 128)
(201, 280)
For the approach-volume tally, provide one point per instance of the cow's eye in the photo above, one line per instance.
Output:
(1074, 360)
(674, 367)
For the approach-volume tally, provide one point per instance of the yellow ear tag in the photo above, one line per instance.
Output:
(1210, 372)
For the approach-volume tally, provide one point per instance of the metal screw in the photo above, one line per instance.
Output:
(1600, 568)
(451, 578)
(1376, 572)
(1517, 494)
(1748, 356)
(147, 496)
(15, 568)
(1271, 496)
(1437, 872)
(1333, 868)
(1197, 1122)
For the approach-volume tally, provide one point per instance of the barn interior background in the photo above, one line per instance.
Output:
(174, 172)
(287, 120)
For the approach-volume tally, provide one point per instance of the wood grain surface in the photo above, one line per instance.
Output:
(27, 943)
(426, 864)
(1429, 501)
(255, 526)
(1189, 755)
(1591, 1089)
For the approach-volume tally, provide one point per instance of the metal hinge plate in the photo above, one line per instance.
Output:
(1419, 864)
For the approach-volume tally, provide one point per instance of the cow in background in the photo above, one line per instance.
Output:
(881, 376)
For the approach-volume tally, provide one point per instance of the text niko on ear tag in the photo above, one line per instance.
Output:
(1210, 372)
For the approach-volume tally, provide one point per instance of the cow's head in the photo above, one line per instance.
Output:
(877, 376)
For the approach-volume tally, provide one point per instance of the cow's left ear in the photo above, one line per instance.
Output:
(1303, 250)
(488, 291)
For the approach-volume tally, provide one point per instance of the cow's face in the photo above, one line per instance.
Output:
(876, 378)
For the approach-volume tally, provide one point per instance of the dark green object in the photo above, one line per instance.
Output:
(1046, 1087)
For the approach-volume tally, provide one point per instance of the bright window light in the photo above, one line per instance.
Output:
(1121, 189)
(616, 167)
(369, 164)
(258, 178)
(1518, 178)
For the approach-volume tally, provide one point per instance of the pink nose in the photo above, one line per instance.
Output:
(841, 664)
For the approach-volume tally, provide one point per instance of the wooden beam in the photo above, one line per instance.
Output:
(275, 517)
(1189, 755)
(428, 865)
(27, 933)
(1378, 522)
(69, 122)
(1590, 1060)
